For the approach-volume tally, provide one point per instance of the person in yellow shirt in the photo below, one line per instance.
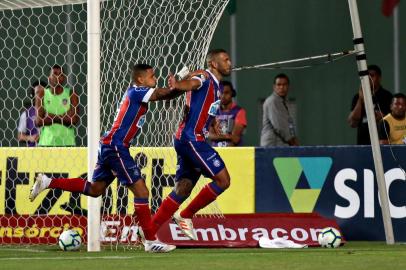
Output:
(392, 128)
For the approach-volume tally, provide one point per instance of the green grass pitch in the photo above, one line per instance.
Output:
(352, 256)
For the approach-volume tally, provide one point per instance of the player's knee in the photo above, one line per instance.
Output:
(227, 183)
(139, 189)
(222, 179)
(144, 193)
(95, 191)
(224, 182)
(94, 194)
(184, 187)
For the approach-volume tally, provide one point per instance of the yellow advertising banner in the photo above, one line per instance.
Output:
(19, 166)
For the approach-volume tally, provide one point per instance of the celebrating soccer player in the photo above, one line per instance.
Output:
(195, 156)
(114, 158)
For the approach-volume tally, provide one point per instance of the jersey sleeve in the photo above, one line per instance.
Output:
(241, 118)
(141, 94)
(201, 78)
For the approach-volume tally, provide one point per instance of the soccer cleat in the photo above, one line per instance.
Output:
(41, 182)
(157, 246)
(186, 225)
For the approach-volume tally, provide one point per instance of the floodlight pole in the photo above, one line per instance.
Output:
(93, 117)
(369, 107)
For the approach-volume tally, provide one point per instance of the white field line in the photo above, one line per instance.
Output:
(23, 250)
(70, 258)
(125, 257)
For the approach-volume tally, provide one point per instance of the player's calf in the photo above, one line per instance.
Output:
(80, 185)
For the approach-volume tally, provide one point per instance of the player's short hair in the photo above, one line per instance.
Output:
(281, 76)
(228, 83)
(376, 69)
(399, 95)
(139, 69)
(212, 53)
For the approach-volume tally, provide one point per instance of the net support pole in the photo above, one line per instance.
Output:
(369, 107)
(93, 117)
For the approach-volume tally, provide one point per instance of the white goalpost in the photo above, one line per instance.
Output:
(93, 90)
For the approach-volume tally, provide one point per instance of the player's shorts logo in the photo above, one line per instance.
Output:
(216, 163)
(141, 121)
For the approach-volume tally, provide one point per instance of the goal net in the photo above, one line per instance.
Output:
(36, 35)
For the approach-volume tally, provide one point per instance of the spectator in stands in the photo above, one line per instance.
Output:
(28, 132)
(278, 128)
(392, 128)
(381, 98)
(231, 120)
(58, 113)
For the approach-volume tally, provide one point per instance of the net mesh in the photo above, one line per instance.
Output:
(38, 34)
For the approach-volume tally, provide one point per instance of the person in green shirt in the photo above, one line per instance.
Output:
(58, 112)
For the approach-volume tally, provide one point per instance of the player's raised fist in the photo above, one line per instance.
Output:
(171, 81)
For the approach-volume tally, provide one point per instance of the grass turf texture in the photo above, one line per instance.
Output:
(354, 255)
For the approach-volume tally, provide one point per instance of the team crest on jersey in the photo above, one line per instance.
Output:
(141, 121)
(216, 163)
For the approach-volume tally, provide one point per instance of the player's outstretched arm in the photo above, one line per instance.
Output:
(165, 94)
(184, 85)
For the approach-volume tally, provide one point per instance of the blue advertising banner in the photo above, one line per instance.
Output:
(337, 182)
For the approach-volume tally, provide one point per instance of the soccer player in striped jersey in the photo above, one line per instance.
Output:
(195, 155)
(114, 159)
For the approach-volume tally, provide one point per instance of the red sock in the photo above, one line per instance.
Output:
(70, 184)
(204, 198)
(144, 218)
(168, 207)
